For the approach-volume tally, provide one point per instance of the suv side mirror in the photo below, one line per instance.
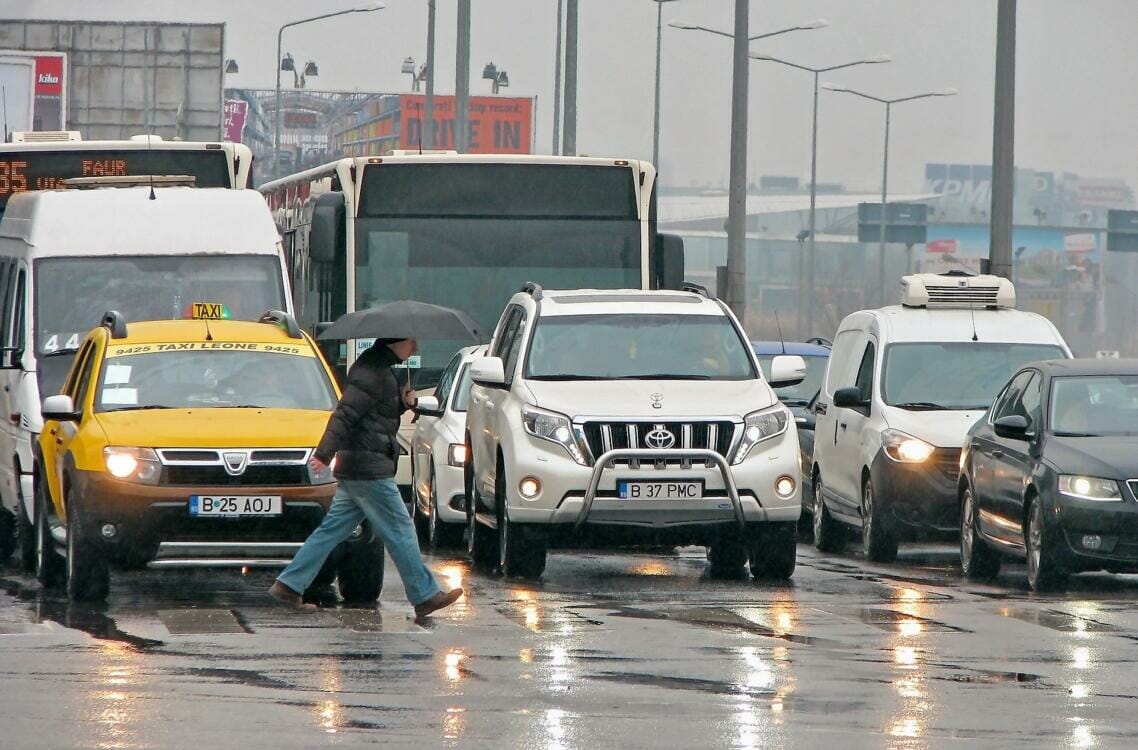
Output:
(488, 371)
(849, 398)
(787, 369)
(1013, 427)
(428, 406)
(11, 358)
(60, 408)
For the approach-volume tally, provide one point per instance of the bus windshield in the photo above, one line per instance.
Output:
(468, 236)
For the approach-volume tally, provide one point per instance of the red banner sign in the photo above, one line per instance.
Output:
(496, 124)
(235, 110)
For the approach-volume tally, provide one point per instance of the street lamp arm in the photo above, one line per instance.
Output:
(843, 90)
(331, 15)
(948, 92)
(819, 24)
(768, 58)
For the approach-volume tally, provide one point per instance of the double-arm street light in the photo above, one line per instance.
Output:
(737, 189)
(885, 164)
(807, 295)
(277, 63)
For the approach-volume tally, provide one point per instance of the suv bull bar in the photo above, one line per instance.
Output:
(695, 455)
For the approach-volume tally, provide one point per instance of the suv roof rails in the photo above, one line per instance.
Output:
(533, 289)
(116, 322)
(700, 289)
(283, 320)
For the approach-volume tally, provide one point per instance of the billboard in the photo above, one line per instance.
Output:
(50, 111)
(235, 113)
(1043, 256)
(497, 124)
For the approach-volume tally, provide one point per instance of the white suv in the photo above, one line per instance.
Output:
(629, 416)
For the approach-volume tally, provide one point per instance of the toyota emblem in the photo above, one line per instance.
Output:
(660, 438)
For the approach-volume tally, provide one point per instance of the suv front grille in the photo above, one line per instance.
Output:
(603, 436)
(189, 467)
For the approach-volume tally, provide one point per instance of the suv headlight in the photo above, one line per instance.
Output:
(138, 465)
(325, 475)
(759, 426)
(554, 427)
(1089, 488)
(905, 448)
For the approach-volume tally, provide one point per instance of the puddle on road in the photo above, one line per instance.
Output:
(86, 618)
(374, 621)
(892, 620)
(530, 612)
(1058, 620)
(719, 618)
(989, 677)
(714, 687)
(201, 621)
(246, 677)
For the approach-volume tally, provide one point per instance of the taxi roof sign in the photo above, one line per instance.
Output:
(209, 311)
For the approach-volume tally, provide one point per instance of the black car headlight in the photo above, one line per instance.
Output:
(1089, 488)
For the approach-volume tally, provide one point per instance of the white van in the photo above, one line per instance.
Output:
(903, 386)
(68, 256)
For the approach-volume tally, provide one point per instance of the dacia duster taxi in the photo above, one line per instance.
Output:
(186, 443)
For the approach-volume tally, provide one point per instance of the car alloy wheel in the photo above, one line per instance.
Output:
(877, 541)
(977, 560)
(829, 535)
(1045, 571)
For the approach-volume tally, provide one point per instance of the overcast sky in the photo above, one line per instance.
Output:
(1076, 109)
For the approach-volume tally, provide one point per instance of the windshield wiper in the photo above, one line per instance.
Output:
(139, 408)
(922, 406)
(567, 376)
(57, 353)
(795, 401)
(239, 406)
(1060, 433)
(664, 376)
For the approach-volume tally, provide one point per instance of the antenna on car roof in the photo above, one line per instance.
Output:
(151, 171)
(418, 120)
(781, 340)
(972, 311)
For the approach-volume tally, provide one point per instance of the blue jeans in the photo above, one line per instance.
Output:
(379, 501)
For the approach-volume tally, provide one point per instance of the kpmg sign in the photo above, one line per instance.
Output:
(966, 183)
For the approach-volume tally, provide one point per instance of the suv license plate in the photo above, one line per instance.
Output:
(235, 505)
(667, 490)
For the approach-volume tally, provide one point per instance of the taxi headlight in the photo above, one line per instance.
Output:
(456, 454)
(138, 465)
(554, 427)
(325, 475)
(905, 448)
(1089, 488)
(759, 426)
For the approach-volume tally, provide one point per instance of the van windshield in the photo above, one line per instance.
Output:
(72, 294)
(954, 375)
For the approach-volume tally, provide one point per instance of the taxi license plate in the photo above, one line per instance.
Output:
(235, 505)
(660, 490)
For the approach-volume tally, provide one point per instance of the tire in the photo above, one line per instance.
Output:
(1045, 569)
(481, 542)
(877, 540)
(88, 575)
(728, 556)
(521, 549)
(417, 516)
(440, 534)
(360, 570)
(7, 535)
(978, 561)
(49, 565)
(774, 552)
(829, 535)
(134, 555)
(26, 539)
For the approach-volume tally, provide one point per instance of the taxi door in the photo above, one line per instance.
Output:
(57, 437)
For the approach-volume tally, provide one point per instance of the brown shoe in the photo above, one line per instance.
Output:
(290, 598)
(437, 602)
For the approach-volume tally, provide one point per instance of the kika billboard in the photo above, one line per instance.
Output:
(495, 125)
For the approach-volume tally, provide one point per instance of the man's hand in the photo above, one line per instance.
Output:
(317, 465)
(409, 398)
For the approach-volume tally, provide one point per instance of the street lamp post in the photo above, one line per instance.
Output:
(885, 165)
(277, 63)
(656, 107)
(806, 296)
(737, 188)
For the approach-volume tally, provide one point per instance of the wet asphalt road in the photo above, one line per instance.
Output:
(608, 650)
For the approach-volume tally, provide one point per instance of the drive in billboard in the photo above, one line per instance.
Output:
(498, 125)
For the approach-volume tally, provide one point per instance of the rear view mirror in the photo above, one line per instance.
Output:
(326, 241)
(428, 406)
(805, 422)
(787, 369)
(488, 371)
(1013, 427)
(669, 261)
(849, 398)
(60, 408)
(11, 358)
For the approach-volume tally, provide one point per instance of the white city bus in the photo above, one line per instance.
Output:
(42, 160)
(466, 231)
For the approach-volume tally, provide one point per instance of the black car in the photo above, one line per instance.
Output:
(1050, 473)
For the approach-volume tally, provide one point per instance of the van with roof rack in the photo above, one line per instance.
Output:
(628, 417)
(903, 385)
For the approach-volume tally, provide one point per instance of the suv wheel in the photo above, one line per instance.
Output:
(978, 561)
(440, 535)
(728, 555)
(774, 552)
(360, 570)
(521, 550)
(829, 535)
(1045, 571)
(49, 565)
(878, 541)
(481, 542)
(26, 537)
(88, 575)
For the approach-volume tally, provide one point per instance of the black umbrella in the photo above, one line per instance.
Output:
(405, 319)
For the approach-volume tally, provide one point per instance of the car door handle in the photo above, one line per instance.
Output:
(997, 453)
(843, 425)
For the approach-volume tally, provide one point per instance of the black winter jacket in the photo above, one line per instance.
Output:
(361, 431)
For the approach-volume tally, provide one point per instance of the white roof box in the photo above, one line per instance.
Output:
(957, 290)
(46, 136)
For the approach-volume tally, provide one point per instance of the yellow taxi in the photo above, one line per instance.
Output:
(186, 443)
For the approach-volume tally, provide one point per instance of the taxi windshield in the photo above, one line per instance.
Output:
(167, 376)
